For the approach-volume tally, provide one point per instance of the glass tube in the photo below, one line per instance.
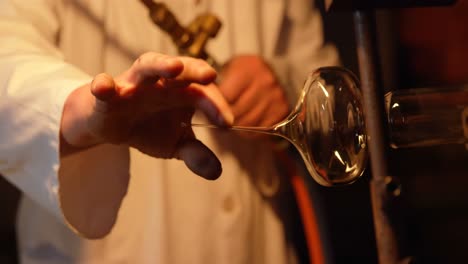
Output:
(427, 116)
(327, 125)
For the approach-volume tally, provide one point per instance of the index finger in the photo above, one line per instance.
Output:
(152, 66)
(196, 70)
(211, 102)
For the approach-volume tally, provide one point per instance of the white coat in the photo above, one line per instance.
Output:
(168, 215)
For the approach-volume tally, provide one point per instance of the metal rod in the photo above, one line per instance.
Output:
(383, 197)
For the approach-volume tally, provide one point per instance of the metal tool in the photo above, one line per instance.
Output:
(190, 40)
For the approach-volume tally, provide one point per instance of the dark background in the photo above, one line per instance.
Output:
(418, 47)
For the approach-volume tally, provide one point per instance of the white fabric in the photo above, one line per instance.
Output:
(168, 215)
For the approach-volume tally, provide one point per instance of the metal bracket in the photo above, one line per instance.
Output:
(190, 40)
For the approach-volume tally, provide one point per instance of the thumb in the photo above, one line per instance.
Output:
(199, 159)
(103, 87)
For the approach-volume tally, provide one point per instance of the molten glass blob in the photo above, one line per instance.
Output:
(327, 127)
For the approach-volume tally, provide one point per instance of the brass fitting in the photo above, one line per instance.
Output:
(190, 40)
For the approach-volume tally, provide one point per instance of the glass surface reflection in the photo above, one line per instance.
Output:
(327, 125)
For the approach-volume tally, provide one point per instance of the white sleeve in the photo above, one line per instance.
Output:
(34, 84)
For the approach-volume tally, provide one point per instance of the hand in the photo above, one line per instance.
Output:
(253, 92)
(145, 106)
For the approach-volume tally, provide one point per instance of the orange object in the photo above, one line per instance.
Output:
(306, 210)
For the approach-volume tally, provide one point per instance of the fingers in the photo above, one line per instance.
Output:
(250, 99)
(233, 85)
(211, 102)
(103, 87)
(151, 66)
(196, 70)
(260, 105)
(199, 159)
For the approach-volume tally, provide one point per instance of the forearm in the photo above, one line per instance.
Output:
(31, 104)
(36, 85)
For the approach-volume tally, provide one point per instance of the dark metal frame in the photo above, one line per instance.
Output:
(389, 238)
(389, 228)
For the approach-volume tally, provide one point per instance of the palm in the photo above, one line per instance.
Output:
(149, 120)
(146, 106)
(161, 141)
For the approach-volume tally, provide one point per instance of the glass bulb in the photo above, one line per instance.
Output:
(327, 127)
